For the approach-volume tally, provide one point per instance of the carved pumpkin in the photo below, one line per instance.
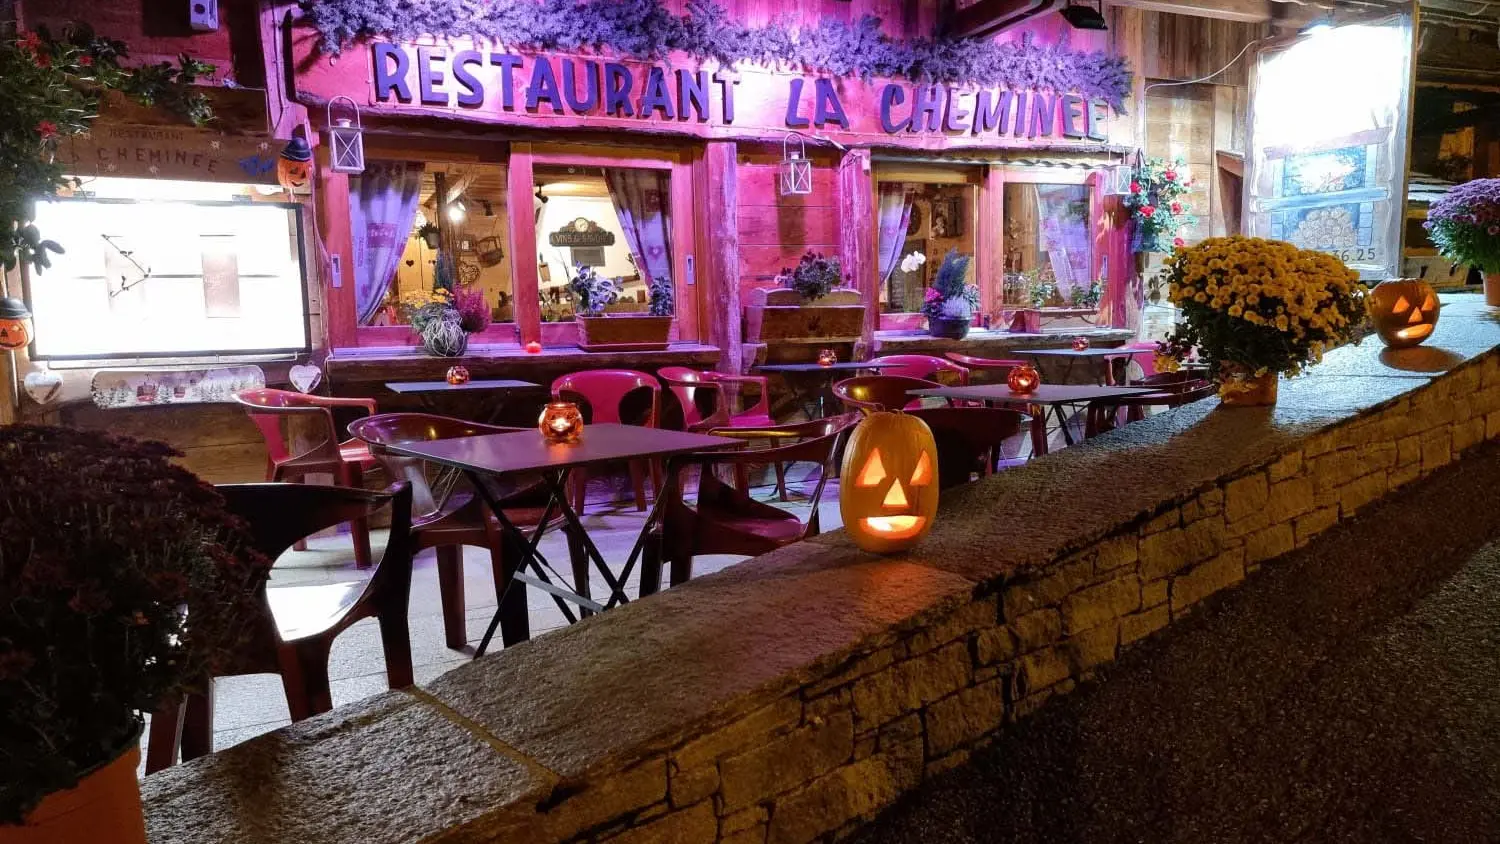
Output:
(1404, 311)
(294, 165)
(1023, 379)
(888, 492)
(15, 333)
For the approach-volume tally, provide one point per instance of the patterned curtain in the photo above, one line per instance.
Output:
(642, 201)
(382, 208)
(893, 215)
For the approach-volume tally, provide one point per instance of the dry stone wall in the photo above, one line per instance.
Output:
(772, 737)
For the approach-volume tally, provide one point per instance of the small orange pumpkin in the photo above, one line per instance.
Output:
(889, 489)
(1403, 310)
(294, 165)
(15, 332)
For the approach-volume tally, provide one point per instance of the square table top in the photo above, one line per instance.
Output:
(1043, 394)
(1090, 352)
(444, 386)
(841, 366)
(526, 451)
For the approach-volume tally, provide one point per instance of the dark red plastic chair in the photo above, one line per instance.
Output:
(1103, 415)
(970, 439)
(1001, 366)
(345, 460)
(688, 386)
(928, 367)
(726, 520)
(871, 393)
(604, 393)
(297, 624)
(447, 516)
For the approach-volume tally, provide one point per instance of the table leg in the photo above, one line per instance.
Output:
(1038, 429)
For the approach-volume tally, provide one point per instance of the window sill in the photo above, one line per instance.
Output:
(401, 363)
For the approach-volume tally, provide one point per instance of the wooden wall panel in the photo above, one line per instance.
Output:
(1183, 47)
(218, 441)
(1180, 124)
(775, 230)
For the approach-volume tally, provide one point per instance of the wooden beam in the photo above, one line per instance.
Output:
(1248, 11)
(989, 17)
(719, 239)
(522, 222)
(857, 236)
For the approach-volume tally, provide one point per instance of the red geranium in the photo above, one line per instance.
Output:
(1135, 187)
(1177, 208)
(85, 60)
(1148, 210)
(1170, 175)
(47, 129)
(1177, 241)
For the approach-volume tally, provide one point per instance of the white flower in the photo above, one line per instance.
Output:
(911, 262)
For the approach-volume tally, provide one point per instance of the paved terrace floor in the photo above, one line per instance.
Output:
(1349, 693)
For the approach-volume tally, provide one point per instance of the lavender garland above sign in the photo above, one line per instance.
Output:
(646, 29)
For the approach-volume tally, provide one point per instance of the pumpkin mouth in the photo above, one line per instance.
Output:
(895, 527)
(1414, 332)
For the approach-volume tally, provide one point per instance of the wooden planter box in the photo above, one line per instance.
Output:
(781, 315)
(624, 333)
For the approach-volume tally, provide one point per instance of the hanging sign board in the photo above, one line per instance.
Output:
(484, 83)
(167, 152)
(1328, 143)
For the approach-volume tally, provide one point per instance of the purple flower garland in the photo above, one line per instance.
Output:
(646, 29)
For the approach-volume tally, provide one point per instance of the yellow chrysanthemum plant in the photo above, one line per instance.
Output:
(1257, 308)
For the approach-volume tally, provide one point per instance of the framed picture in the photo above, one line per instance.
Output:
(948, 217)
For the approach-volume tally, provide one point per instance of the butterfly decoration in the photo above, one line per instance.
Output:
(256, 165)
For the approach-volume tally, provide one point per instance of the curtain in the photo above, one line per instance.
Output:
(1065, 238)
(382, 207)
(893, 216)
(642, 200)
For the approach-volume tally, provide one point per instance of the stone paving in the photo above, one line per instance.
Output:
(1347, 693)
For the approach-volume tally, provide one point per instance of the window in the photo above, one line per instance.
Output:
(926, 220)
(1048, 241)
(158, 268)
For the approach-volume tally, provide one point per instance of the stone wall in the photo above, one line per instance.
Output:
(793, 697)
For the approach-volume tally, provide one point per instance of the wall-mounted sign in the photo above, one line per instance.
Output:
(170, 153)
(582, 232)
(480, 83)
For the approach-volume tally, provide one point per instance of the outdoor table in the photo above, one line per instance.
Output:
(1045, 397)
(822, 375)
(1072, 356)
(428, 392)
(495, 456)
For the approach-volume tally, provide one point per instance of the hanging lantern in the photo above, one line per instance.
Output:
(1080, 344)
(561, 422)
(294, 165)
(346, 141)
(890, 486)
(15, 332)
(1403, 310)
(796, 170)
(1023, 379)
(458, 375)
(1117, 179)
(827, 357)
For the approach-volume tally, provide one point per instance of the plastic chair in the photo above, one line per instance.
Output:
(449, 518)
(1000, 365)
(689, 385)
(928, 367)
(297, 624)
(604, 392)
(726, 520)
(345, 460)
(970, 439)
(870, 393)
(1102, 415)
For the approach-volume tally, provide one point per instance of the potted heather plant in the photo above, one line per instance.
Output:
(622, 332)
(1465, 226)
(950, 303)
(445, 316)
(105, 543)
(810, 302)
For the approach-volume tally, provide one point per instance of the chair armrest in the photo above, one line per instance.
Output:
(369, 405)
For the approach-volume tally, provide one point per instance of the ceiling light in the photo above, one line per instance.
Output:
(456, 211)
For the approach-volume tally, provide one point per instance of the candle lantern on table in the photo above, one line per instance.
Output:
(1080, 344)
(561, 422)
(458, 375)
(827, 357)
(1023, 379)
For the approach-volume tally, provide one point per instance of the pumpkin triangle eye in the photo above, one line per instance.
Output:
(1428, 304)
(874, 471)
(922, 475)
(1401, 306)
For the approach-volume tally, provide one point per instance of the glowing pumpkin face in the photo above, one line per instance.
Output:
(294, 165)
(1404, 311)
(888, 491)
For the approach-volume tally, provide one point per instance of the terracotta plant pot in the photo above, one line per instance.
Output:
(104, 808)
(953, 329)
(1251, 391)
(1492, 289)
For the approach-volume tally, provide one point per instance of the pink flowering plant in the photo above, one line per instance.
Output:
(1465, 224)
(103, 543)
(1157, 210)
(51, 89)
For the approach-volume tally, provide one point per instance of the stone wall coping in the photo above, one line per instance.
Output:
(520, 730)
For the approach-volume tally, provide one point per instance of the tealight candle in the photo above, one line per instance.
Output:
(561, 422)
(827, 357)
(1080, 343)
(458, 375)
(1023, 379)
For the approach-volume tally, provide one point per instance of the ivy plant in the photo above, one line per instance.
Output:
(50, 89)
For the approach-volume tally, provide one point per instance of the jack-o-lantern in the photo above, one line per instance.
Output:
(1404, 311)
(294, 165)
(888, 492)
(14, 331)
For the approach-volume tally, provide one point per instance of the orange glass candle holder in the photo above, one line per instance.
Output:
(1080, 344)
(1023, 379)
(827, 357)
(458, 375)
(561, 422)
